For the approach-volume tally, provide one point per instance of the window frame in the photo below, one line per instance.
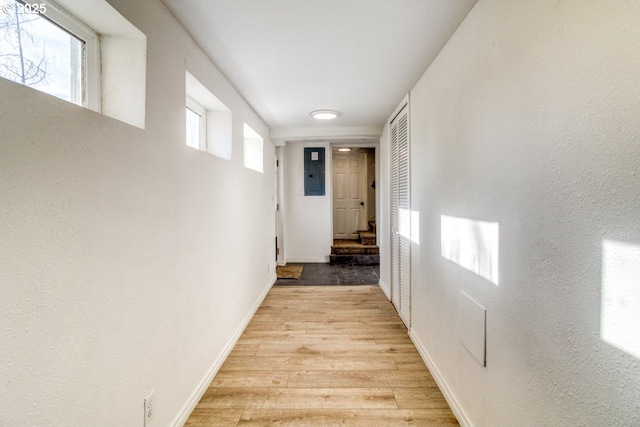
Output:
(89, 79)
(198, 109)
(218, 132)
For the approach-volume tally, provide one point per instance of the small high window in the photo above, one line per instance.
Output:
(43, 47)
(253, 147)
(208, 120)
(196, 125)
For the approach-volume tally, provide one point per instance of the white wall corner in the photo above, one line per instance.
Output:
(385, 289)
(124, 73)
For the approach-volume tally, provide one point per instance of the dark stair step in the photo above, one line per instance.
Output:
(355, 250)
(367, 237)
(345, 247)
(359, 259)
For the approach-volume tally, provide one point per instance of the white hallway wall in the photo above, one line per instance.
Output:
(529, 118)
(308, 226)
(124, 263)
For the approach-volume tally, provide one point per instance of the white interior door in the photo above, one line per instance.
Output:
(349, 195)
(400, 216)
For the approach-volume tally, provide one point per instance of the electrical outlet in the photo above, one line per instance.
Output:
(149, 407)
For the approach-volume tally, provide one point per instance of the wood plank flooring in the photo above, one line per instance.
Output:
(323, 356)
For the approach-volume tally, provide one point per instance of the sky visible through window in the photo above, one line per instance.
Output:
(38, 53)
(193, 129)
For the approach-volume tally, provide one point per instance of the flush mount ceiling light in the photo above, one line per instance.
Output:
(344, 149)
(324, 114)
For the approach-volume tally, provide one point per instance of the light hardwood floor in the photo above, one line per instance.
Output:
(323, 356)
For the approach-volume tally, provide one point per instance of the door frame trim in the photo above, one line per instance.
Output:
(358, 144)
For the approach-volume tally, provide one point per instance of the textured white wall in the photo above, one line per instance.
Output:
(128, 261)
(529, 118)
(308, 226)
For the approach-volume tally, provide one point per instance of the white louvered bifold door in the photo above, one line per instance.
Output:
(400, 216)
(395, 220)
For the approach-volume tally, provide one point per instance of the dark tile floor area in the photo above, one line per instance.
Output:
(341, 274)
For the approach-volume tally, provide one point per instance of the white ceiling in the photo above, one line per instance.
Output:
(289, 57)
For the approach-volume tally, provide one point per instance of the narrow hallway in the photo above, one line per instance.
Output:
(320, 356)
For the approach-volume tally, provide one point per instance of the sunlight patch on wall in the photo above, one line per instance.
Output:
(415, 227)
(471, 244)
(404, 223)
(620, 299)
(409, 225)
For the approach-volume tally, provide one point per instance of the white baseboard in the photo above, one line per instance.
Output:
(385, 289)
(312, 259)
(195, 397)
(456, 407)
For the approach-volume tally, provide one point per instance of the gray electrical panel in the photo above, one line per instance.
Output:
(314, 171)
